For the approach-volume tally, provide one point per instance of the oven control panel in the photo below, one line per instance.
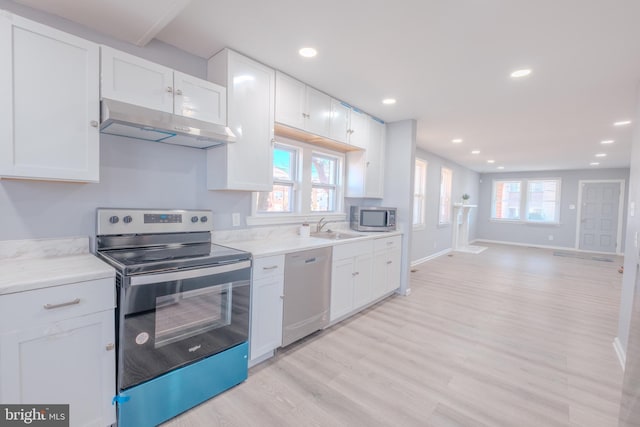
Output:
(140, 221)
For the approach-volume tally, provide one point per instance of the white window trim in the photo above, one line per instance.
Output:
(303, 191)
(422, 196)
(524, 202)
(447, 222)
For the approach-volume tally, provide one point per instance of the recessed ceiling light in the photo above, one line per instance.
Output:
(491, 161)
(389, 101)
(607, 141)
(500, 167)
(457, 140)
(601, 155)
(475, 152)
(521, 73)
(594, 164)
(308, 52)
(622, 123)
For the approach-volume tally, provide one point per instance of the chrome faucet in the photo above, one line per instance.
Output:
(320, 225)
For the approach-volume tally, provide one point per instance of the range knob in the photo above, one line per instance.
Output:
(203, 219)
(114, 219)
(127, 219)
(194, 219)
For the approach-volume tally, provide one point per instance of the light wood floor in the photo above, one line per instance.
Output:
(511, 337)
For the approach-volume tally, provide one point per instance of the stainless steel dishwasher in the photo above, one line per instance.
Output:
(307, 293)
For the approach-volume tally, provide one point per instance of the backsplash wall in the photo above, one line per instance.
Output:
(132, 174)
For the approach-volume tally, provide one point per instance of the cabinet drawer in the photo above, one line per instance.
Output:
(350, 250)
(387, 243)
(56, 303)
(268, 267)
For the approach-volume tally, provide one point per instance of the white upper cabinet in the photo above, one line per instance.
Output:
(134, 80)
(339, 123)
(199, 99)
(358, 129)
(246, 164)
(49, 103)
(290, 101)
(301, 106)
(365, 168)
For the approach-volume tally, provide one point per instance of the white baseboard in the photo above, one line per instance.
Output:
(430, 257)
(617, 346)
(557, 248)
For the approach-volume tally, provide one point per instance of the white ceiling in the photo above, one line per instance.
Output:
(447, 62)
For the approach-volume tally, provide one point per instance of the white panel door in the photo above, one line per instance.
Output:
(599, 216)
(339, 125)
(290, 101)
(318, 118)
(49, 103)
(67, 362)
(199, 99)
(266, 315)
(134, 80)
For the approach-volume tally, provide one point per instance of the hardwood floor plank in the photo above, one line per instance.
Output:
(510, 337)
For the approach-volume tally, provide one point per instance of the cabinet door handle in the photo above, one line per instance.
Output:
(64, 304)
(355, 273)
(169, 89)
(110, 346)
(178, 92)
(273, 267)
(389, 262)
(94, 123)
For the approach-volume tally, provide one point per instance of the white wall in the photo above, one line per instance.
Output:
(433, 238)
(631, 256)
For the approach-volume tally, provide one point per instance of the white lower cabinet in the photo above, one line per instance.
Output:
(57, 346)
(386, 270)
(350, 278)
(266, 307)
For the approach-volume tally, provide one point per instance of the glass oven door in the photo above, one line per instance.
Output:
(172, 319)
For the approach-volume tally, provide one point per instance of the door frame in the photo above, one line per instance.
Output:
(620, 210)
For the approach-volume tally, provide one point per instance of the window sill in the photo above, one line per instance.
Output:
(516, 221)
(279, 219)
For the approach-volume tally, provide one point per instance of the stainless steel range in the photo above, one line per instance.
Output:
(183, 311)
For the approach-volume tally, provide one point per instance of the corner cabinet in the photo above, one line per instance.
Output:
(365, 169)
(49, 103)
(57, 346)
(267, 292)
(246, 164)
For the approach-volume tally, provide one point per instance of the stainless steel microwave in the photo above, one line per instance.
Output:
(373, 218)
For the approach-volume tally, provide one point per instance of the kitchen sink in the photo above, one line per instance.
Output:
(334, 235)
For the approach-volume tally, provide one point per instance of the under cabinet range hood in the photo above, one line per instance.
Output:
(133, 121)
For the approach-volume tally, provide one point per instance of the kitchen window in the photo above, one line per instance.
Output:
(307, 183)
(446, 182)
(540, 203)
(419, 193)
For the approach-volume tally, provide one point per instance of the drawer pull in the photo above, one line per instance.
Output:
(64, 304)
(110, 346)
(357, 273)
(273, 267)
(389, 243)
(389, 262)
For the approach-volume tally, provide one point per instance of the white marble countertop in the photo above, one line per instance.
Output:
(287, 243)
(33, 264)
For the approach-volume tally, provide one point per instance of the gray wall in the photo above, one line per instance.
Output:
(132, 173)
(631, 256)
(434, 238)
(564, 234)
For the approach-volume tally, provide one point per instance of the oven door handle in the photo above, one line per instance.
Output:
(188, 274)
